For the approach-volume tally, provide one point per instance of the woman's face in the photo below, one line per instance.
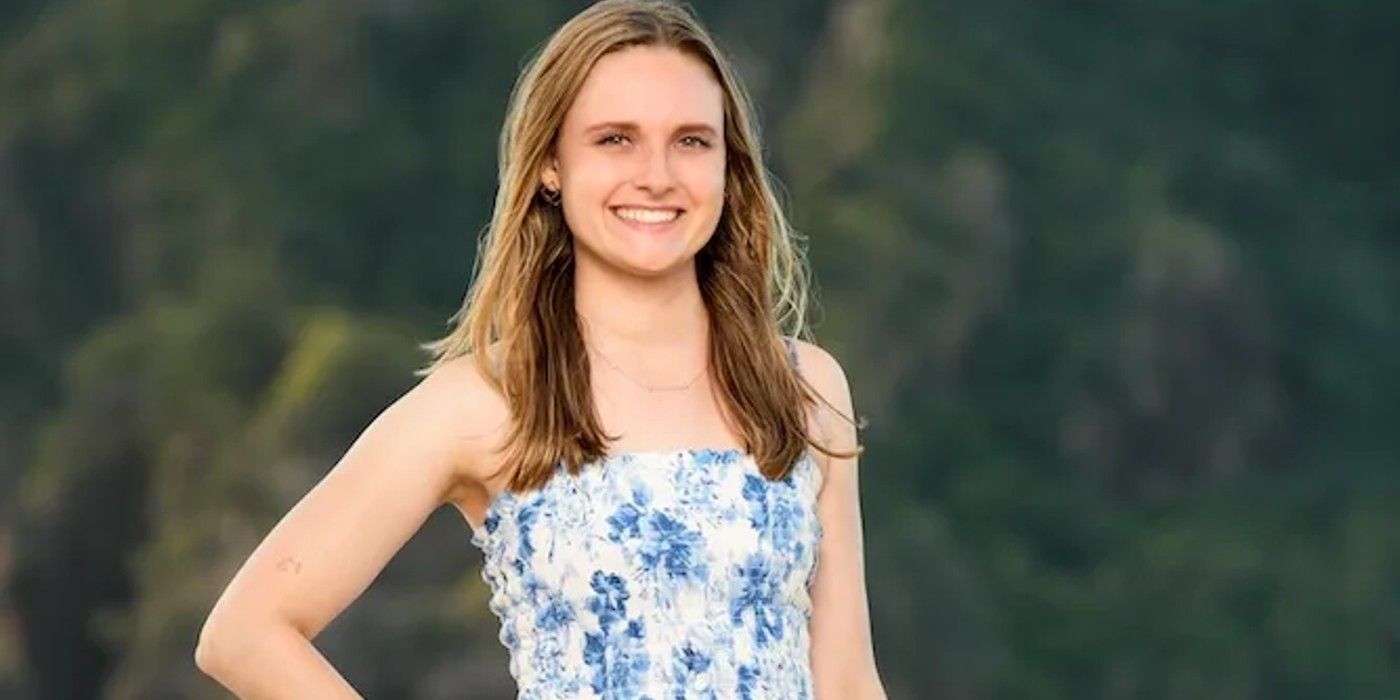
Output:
(640, 160)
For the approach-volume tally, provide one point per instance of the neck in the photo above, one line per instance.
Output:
(637, 317)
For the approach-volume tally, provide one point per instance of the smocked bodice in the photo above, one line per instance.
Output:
(657, 575)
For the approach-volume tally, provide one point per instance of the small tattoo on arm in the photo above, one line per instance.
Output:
(289, 564)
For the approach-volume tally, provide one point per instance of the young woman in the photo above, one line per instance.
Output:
(662, 483)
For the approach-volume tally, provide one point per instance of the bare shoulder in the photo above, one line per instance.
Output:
(472, 413)
(831, 420)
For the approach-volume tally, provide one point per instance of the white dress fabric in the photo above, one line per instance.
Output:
(657, 576)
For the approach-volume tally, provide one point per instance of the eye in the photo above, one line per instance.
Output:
(609, 139)
(697, 141)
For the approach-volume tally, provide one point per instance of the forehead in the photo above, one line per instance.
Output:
(648, 85)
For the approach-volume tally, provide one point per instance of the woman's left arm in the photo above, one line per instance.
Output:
(843, 655)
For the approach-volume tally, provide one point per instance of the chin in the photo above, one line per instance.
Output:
(625, 253)
(653, 268)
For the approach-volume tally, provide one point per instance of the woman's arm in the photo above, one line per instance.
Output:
(334, 542)
(843, 656)
(276, 661)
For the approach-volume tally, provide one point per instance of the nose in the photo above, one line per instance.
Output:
(654, 171)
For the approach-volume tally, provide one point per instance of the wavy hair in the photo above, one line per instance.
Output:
(520, 309)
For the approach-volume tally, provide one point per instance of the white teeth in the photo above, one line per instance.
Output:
(648, 216)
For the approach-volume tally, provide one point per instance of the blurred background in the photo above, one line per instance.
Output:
(1114, 282)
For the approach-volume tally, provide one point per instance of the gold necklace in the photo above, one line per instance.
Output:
(643, 385)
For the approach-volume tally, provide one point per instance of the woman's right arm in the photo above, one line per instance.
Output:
(334, 542)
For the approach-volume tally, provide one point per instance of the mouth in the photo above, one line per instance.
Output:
(646, 218)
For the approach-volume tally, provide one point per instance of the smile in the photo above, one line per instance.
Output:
(646, 216)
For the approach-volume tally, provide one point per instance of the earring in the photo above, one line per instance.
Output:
(551, 196)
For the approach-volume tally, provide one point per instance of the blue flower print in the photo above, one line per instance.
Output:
(616, 653)
(691, 677)
(618, 661)
(610, 603)
(758, 592)
(625, 520)
(672, 548)
(748, 681)
(625, 523)
(657, 576)
(525, 522)
(756, 494)
(554, 615)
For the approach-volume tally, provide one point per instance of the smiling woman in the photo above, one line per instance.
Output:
(646, 533)
(640, 161)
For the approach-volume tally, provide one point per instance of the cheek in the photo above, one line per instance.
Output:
(705, 178)
(590, 178)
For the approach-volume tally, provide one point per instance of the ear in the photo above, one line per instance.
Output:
(549, 174)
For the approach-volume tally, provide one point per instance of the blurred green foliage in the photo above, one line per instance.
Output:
(1116, 284)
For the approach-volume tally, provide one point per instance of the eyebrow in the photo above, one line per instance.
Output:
(632, 127)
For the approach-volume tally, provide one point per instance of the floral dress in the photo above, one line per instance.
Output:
(657, 576)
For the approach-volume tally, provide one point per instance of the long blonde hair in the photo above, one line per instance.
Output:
(752, 273)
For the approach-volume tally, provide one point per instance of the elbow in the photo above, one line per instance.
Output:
(223, 644)
(214, 648)
(204, 657)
